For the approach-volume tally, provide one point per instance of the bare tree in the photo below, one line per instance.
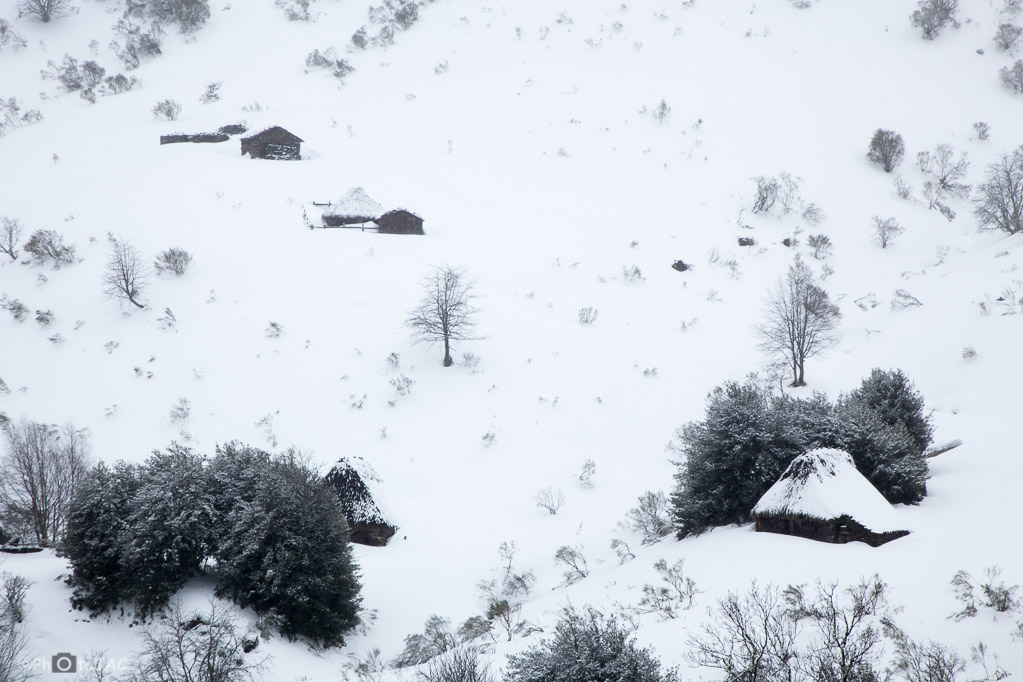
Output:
(45, 10)
(886, 149)
(194, 647)
(999, 204)
(38, 475)
(15, 665)
(1012, 76)
(849, 629)
(751, 639)
(801, 320)
(126, 275)
(446, 312)
(10, 236)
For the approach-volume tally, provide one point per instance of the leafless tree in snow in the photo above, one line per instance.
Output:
(10, 236)
(38, 474)
(999, 201)
(45, 10)
(801, 320)
(447, 311)
(126, 275)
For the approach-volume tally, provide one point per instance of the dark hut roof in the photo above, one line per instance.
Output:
(276, 133)
(399, 211)
(825, 484)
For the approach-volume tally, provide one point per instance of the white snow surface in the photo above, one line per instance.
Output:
(825, 484)
(355, 203)
(535, 160)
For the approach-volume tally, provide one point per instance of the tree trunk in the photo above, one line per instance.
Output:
(447, 353)
(136, 303)
(799, 375)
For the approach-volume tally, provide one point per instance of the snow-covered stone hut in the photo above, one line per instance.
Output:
(400, 221)
(822, 496)
(354, 208)
(273, 143)
(368, 524)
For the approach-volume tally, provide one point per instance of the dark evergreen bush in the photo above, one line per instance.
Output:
(892, 396)
(730, 459)
(748, 437)
(93, 539)
(284, 551)
(137, 533)
(589, 646)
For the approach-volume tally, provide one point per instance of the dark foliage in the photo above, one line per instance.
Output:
(284, 549)
(97, 520)
(589, 646)
(748, 437)
(886, 149)
(137, 533)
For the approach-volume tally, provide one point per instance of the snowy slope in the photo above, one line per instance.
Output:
(536, 163)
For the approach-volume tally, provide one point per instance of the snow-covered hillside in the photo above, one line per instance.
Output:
(526, 135)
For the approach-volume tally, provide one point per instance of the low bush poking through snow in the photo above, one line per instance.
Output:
(587, 645)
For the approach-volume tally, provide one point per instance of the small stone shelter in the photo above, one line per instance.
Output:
(273, 143)
(400, 221)
(822, 496)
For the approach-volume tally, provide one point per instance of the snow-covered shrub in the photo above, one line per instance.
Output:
(212, 93)
(588, 315)
(14, 642)
(359, 39)
(587, 645)
(463, 664)
(44, 317)
(9, 38)
(931, 662)
(173, 260)
(203, 646)
(933, 16)
(296, 10)
(189, 15)
(66, 73)
(766, 193)
(649, 517)
(328, 59)
(1012, 76)
(575, 562)
(661, 112)
(1008, 36)
(10, 236)
(886, 230)
(999, 201)
(435, 639)
(589, 469)
(45, 10)
(47, 246)
(821, 245)
(167, 109)
(886, 149)
(983, 130)
(550, 499)
(136, 43)
(12, 116)
(18, 310)
(678, 594)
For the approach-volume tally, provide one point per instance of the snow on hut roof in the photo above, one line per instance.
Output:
(355, 204)
(825, 484)
(275, 131)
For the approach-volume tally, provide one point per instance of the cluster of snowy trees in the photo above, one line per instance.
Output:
(137, 532)
(730, 459)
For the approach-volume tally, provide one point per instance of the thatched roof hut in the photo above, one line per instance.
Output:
(368, 524)
(354, 208)
(400, 221)
(273, 143)
(822, 496)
